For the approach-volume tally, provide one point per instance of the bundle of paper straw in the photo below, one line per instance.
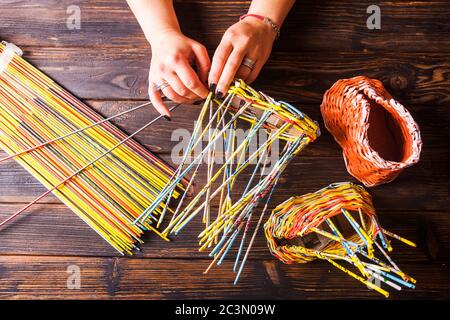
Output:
(103, 175)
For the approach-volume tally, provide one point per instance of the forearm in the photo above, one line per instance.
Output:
(275, 10)
(155, 16)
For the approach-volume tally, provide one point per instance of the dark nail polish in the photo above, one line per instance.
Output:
(212, 87)
(167, 118)
(219, 95)
(196, 103)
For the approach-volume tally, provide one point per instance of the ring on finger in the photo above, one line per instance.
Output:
(160, 86)
(249, 63)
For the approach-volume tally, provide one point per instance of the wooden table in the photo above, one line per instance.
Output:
(105, 63)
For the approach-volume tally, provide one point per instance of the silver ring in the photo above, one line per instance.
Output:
(160, 86)
(249, 63)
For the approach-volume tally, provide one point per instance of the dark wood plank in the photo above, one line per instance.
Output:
(311, 25)
(119, 278)
(164, 136)
(105, 73)
(322, 41)
(320, 164)
(52, 229)
(310, 174)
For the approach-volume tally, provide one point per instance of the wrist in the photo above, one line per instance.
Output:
(154, 36)
(261, 20)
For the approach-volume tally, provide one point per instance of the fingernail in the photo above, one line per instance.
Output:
(167, 118)
(196, 103)
(212, 87)
(219, 95)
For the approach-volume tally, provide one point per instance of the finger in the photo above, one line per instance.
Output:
(178, 86)
(220, 57)
(243, 73)
(202, 61)
(229, 71)
(158, 104)
(255, 72)
(190, 79)
(170, 93)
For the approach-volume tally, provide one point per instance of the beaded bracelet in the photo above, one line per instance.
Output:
(273, 25)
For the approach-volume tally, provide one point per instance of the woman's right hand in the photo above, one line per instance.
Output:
(173, 58)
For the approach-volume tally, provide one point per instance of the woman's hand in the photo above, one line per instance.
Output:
(173, 58)
(249, 38)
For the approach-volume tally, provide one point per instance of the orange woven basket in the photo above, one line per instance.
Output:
(378, 135)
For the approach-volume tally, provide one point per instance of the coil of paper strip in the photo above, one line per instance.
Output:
(235, 198)
(336, 223)
(378, 136)
(102, 175)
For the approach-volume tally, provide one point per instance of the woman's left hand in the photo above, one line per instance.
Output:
(249, 39)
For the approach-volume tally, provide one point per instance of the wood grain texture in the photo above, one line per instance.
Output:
(106, 64)
(52, 229)
(44, 277)
(431, 193)
(104, 73)
(323, 158)
(311, 26)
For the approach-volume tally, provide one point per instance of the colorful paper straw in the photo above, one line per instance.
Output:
(312, 226)
(101, 174)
